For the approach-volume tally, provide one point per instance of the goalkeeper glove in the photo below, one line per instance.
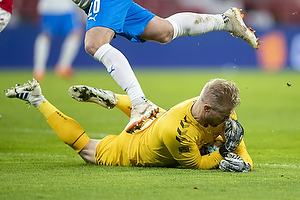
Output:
(234, 133)
(234, 163)
(83, 4)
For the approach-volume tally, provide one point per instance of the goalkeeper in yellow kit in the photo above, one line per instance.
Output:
(199, 133)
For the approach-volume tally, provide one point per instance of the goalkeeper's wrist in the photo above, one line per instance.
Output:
(223, 151)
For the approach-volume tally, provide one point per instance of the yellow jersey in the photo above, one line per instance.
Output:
(173, 139)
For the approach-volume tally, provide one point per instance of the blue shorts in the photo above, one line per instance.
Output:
(60, 24)
(125, 17)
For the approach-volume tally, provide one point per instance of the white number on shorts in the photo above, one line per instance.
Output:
(96, 6)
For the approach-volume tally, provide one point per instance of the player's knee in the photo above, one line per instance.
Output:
(167, 32)
(91, 48)
(166, 37)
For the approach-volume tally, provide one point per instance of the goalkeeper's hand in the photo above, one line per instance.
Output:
(234, 133)
(234, 163)
(83, 4)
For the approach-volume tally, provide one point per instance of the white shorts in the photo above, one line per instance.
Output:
(4, 18)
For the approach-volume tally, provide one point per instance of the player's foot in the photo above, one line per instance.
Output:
(83, 4)
(39, 75)
(30, 92)
(237, 27)
(139, 114)
(84, 93)
(64, 72)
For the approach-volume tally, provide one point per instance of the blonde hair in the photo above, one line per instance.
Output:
(220, 93)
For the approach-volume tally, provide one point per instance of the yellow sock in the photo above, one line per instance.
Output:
(124, 104)
(65, 127)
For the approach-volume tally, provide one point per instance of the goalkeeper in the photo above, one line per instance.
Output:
(199, 133)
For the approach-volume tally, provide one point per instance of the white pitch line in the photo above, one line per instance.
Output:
(31, 154)
(28, 130)
(46, 131)
(279, 165)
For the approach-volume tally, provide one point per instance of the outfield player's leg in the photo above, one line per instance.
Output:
(190, 24)
(49, 27)
(100, 31)
(71, 28)
(41, 53)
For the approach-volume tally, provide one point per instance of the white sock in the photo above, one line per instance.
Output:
(119, 68)
(189, 24)
(41, 52)
(69, 50)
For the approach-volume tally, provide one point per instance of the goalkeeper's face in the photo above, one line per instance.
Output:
(216, 117)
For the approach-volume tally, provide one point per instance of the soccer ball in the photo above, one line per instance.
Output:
(211, 147)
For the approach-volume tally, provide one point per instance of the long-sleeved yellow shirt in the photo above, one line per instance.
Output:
(173, 139)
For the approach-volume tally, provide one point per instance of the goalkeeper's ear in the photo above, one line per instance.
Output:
(207, 108)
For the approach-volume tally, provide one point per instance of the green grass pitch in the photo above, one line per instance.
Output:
(35, 164)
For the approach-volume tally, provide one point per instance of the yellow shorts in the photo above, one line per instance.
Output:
(112, 150)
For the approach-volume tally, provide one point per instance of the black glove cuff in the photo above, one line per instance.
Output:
(223, 151)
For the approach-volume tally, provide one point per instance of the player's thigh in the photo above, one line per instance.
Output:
(137, 19)
(159, 30)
